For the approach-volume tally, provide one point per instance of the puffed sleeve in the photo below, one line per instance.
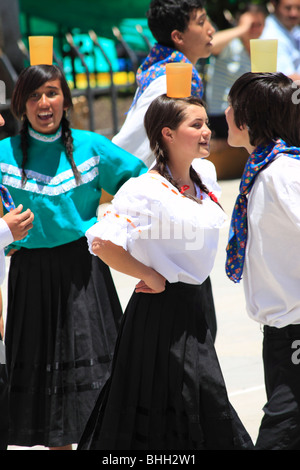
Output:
(128, 217)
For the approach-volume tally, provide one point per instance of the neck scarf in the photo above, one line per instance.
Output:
(154, 66)
(236, 247)
(6, 198)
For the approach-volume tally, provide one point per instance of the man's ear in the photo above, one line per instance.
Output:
(176, 37)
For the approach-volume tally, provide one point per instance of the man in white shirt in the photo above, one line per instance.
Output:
(264, 117)
(13, 226)
(183, 33)
(283, 25)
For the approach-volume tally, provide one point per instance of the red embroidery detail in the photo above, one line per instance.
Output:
(213, 197)
(184, 188)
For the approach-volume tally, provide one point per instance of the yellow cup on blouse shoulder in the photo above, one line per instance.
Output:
(179, 79)
(263, 54)
(41, 50)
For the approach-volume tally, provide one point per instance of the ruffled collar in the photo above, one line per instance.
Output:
(45, 137)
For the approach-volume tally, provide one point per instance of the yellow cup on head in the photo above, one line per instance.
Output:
(179, 79)
(41, 50)
(263, 55)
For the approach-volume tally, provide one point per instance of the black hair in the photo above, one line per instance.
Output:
(29, 80)
(267, 104)
(164, 16)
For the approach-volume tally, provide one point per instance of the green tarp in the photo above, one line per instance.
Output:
(99, 15)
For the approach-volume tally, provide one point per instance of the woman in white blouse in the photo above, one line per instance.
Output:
(166, 389)
(264, 117)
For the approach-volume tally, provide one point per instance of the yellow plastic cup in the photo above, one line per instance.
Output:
(179, 79)
(263, 55)
(41, 50)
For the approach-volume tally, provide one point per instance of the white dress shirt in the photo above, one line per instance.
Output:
(272, 265)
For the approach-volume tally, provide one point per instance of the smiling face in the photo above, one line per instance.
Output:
(191, 139)
(45, 107)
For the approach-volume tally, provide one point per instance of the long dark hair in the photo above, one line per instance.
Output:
(168, 112)
(30, 80)
(268, 104)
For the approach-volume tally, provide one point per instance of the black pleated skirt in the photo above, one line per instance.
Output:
(62, 321)
(166, 389)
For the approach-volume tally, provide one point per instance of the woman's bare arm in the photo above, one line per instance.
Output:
(119, 259)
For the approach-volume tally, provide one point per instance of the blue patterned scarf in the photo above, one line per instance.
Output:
(154, 66)
(6, 198)
(236, 247)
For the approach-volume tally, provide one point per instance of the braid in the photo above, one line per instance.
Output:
(195, 177)
(197, 180)
(161, 167)
(68, 143)
(24, 148)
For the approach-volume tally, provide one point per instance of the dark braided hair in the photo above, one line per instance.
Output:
(169, 112)
(162, 168)
(24, 147)
(68, 143)
(30, 80)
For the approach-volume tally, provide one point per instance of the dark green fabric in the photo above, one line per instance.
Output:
(99, 15)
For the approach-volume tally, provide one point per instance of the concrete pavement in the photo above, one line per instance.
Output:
(239, 339)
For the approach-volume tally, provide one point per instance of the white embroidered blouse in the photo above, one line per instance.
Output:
(162, 228)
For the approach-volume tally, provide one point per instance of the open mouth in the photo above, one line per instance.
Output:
(204, 144)
(45, 116)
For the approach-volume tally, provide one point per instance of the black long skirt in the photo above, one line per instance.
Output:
(62, 321)
(166, 389)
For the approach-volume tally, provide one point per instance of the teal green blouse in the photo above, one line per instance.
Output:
(63, 210)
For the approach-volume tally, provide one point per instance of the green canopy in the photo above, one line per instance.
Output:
(99, 15)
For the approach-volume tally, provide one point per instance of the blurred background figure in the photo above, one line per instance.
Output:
(11, 57)
(283, 24)
(230, 59)
(10, 33)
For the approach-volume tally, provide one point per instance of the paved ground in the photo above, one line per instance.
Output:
(239, 339)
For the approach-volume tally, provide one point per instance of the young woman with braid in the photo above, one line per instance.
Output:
(183, 33)
(166, 389)
(63, 310)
